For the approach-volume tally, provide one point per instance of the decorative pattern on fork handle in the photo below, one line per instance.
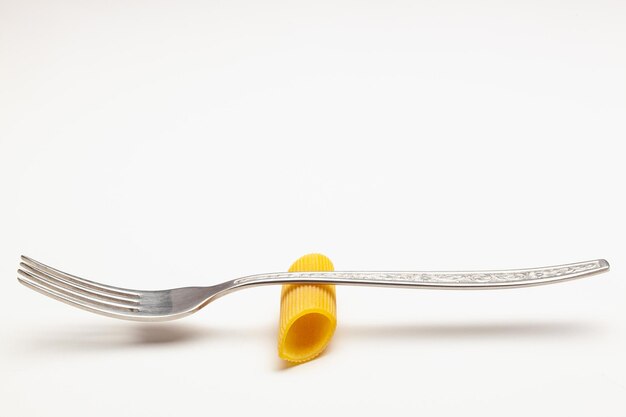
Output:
(487, 277)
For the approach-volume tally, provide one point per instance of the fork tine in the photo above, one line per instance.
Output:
(55, 291)
(86, 291)
(63, 299)
(107, 289)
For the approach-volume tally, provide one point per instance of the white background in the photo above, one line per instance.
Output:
(160, 144)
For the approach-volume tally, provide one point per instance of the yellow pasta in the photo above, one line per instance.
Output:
(308, 313)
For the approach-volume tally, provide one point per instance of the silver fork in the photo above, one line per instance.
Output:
(176, 303)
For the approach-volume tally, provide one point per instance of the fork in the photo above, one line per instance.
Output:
(172, 304)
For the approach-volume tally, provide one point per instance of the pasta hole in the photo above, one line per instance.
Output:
(308, 335)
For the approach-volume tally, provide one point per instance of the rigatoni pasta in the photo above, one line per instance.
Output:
(308, 313)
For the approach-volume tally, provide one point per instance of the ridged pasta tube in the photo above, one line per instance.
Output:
(308, 313)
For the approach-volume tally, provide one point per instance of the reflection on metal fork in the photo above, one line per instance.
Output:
(176, 303)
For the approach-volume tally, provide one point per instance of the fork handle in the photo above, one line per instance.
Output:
(464, 280)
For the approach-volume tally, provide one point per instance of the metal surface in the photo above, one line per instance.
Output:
(176, 303)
